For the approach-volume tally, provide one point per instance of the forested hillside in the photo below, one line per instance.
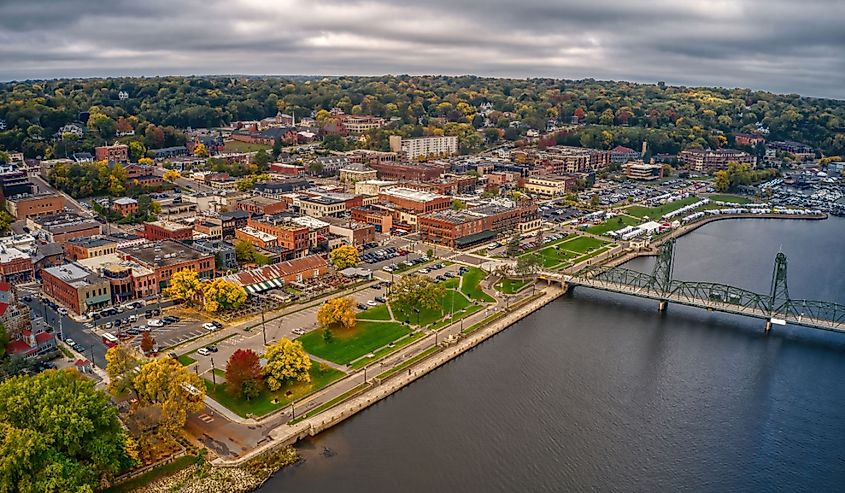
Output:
(158, 109)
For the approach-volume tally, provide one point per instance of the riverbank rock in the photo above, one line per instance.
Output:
(206, 478)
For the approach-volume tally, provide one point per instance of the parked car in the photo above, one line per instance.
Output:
(134, 331)
(209, 326)
(217, 324)
(380, 299)
(27, 298)
(362, 306)
(70, 342)
(62, 311)
(203, 351)
(212, 348)
(298, 331)
(155, 323)
(133, 318)
(372, 303)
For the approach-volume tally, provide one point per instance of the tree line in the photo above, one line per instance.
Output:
(668, 117)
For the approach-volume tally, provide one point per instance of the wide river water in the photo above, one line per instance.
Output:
(599, 392)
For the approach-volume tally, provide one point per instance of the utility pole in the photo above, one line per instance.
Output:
(213, 376)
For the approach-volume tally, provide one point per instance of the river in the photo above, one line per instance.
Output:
(601, 392)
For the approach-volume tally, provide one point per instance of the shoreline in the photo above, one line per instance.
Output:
(286, 435)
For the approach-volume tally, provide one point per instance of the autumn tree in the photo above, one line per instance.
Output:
(122, 363)
(171, 175)
(243, 374)
(200, 150)
(59, 433)
(221, 294)
(184, 286)
(337, 313)
(171, 391)
(148, 343)
(286, 361)
(417, 291)
(344, 256)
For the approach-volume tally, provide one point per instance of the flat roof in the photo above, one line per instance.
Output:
(411, 194)
(168, 225)
(113, 260)
(261, 235)
(166, 252)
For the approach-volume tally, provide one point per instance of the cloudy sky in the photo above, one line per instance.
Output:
(780, 45)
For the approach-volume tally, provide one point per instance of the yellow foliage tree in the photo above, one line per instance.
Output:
(344, 256)
(168, 387)
(122, 362)
(337, 312)
(200, 150)
(221, 294)
(184, 286)
(286, 361)
(171, 175)
(146, 161)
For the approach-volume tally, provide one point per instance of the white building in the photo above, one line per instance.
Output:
(424, 146)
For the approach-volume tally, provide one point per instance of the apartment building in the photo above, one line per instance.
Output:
(117, 153)
(414, 200)
(34, 205)
(75, 287)
(423, 147)
(167, 230)
(712, 159)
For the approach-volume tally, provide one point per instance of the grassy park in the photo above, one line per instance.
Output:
(658, 211)
(471, 285)
(511, 286)
(348, 345)
(264, 403)
(237, 146)
(612, 224)
(378, 312)
(733, 199)
(569, 250)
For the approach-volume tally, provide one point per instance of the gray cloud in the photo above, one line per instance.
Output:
(780, 45)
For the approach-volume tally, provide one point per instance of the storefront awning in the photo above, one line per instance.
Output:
(474, 238)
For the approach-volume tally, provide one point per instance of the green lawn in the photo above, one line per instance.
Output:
(452, 300)
(591, 254)
(186, 360)
(380, 353)
(657, 212)
(511, 286)
(350, 344)
(470, 286)
(582, 244)
(237, 146)
(613, 224)
(734, 199)
(552, 256)
(378, 312)
(263, 404)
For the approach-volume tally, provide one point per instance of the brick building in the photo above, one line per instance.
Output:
(291, 237)
(117, 153)
(125, 205)
(15, 266)
(167, 230)
(35, 205)
(59, 228)
(408, 172)
(76, 287)
(380, 218)
(167, 257)
(462, 229)
(277, 275)
(261, 205)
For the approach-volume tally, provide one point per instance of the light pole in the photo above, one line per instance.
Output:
(213, 376)
(263, 323)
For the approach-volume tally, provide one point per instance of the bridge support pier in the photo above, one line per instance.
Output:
(663, 306)
(768, 326)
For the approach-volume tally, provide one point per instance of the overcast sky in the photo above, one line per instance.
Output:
(780, 45)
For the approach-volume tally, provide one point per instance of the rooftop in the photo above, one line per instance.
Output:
(169, 225)
(74, 274)
(410, 194)
(261, 235)
(91, 241)
(163, 253)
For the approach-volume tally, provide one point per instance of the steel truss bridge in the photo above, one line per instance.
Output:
(776, 307)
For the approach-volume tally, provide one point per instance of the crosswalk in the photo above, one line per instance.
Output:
(205, 418)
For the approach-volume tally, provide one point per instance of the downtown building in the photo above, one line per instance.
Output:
(469, 227)
(424, 147)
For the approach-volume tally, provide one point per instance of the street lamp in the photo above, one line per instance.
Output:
(213, 376)
(263, 323)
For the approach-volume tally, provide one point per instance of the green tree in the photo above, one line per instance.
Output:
(513, 247)
(528, 264)
(417, 291)
(58, 433)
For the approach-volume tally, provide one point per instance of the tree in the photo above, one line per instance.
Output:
(418, 291)
(6, 221)
(344, 256)
(137, 150)
(286, 362)
(148, 343)
(262, 159)
(167, 387)
(277, 148)
(58, 433)
(513, 247)
(722, 182)
(538, 237)
(594, 201)
(122, 363)
(429, 253)
(4, 341)
(184, 286)
(243, 374)
(458, 205)
(337, 312)
(528, 264)
(200, 150)
(171, 175)
(221, 294)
